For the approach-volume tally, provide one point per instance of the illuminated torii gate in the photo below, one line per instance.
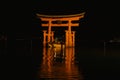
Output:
(57, 21)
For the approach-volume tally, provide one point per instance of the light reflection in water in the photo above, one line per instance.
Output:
(59, 64)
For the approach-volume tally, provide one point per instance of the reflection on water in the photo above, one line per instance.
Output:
(59, 64)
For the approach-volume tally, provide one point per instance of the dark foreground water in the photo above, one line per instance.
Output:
(30, 61)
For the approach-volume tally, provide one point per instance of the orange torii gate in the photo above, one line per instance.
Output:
(57, 21)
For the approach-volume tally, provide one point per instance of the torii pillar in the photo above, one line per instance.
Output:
(47, 37)
(70, 38)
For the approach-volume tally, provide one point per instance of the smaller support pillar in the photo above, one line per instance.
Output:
(44, 37)
(52, 36)
(66, 42)
(73, 38)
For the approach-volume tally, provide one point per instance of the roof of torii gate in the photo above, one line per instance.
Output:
(60, 16)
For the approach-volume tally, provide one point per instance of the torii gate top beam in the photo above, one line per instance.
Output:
(74, 17)
(60, 16)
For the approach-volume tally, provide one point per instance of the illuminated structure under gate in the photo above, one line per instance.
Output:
(60, 21)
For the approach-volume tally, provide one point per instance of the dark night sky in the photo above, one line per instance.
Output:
(100, 21)
(19, 19)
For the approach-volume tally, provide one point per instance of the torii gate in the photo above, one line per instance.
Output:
(57, 21)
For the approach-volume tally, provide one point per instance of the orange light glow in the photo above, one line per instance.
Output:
(70, 35)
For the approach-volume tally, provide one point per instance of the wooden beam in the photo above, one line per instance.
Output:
(62, 19)
(49, 16)
(60, 25)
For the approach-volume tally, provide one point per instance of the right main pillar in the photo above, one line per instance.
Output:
(70, 39)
